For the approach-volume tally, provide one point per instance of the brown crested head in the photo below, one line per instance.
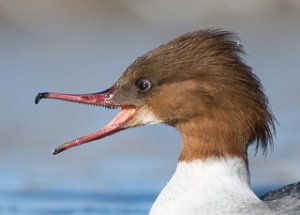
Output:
(198, 84)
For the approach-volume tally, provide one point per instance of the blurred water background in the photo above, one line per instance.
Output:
(79, 46)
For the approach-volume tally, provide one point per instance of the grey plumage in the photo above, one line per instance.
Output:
(285, 200)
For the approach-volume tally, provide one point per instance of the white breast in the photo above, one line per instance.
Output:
(216, 186)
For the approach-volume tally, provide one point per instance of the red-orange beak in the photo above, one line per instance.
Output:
(100, 99)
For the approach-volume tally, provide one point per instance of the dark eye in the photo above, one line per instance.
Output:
(144, 85)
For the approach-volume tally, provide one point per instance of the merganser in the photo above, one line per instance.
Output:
(198, 84)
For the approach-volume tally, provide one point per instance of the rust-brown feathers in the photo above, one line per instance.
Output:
(201, 86)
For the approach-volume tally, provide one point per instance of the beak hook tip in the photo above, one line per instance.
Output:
(40, 96)
(54, 151)
(58, 150)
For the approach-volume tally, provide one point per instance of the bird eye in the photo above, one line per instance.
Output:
(144, 85)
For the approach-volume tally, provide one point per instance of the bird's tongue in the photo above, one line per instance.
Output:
(114, 126)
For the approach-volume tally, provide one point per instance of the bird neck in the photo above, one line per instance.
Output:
(205, 138)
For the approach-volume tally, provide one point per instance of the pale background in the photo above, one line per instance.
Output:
(79, 46)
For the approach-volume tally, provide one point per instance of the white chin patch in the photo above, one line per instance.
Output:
(146, 116)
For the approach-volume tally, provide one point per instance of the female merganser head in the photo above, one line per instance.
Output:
(198, 84)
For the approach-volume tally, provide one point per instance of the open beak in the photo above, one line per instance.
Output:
(105, 99)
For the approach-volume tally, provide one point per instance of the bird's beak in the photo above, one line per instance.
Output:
(105, 99)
